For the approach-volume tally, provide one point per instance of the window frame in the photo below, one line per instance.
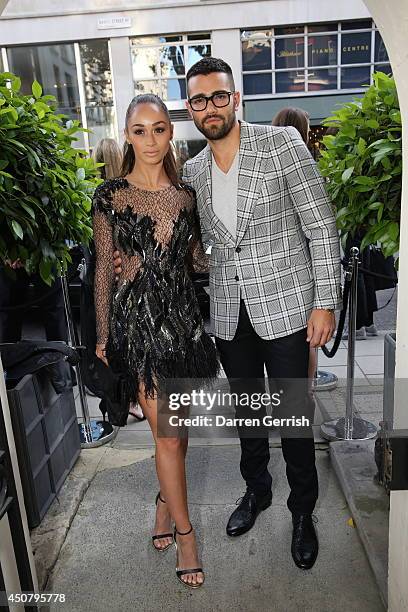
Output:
(272, 37)
(185, 43)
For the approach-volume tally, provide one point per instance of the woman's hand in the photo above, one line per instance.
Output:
(100, 352)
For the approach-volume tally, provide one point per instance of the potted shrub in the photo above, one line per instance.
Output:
(363, 165)
(46, 184)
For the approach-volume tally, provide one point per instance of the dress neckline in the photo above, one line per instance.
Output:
(148, 190)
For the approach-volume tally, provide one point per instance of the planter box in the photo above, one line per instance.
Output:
(389, 377)
(47, 440)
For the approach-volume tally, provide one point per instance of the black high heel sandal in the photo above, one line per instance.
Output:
(161, 535)
(183, 572)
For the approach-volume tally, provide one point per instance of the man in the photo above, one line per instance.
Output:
(260, 198)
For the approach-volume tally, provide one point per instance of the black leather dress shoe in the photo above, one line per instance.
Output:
(305, 546)
(244, 517)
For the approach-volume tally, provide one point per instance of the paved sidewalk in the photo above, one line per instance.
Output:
(96, 538)
(107, 563)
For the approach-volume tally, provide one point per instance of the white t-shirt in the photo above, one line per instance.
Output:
(224, 194)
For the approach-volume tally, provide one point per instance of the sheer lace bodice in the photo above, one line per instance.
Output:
(141, 225)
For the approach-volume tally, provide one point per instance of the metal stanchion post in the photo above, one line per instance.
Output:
(92, 433)
(350, 427)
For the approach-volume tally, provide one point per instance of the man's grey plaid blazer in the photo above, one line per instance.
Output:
(282, 201)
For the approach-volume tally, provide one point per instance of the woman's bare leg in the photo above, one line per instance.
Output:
(170, 466)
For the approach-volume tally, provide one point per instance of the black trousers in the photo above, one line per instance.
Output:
(51, 309)
(245, 357)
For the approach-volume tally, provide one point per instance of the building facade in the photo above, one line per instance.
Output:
(306, 53)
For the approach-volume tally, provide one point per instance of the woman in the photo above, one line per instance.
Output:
(295, 117)
(108, 152)
(149, 324)
(299, 119)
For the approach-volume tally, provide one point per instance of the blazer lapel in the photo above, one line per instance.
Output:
(250, 177)
(204, 200)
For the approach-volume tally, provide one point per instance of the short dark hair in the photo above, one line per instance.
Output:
(207, 65)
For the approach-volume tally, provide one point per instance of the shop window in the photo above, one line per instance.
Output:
(284, 31)
(361, 24)
(386, 68)
(322, 50)
(174, 89)
(54, 67)
(322, 79)
(290, 52)
(257, 83)
(380, 52)
(171, 60)
(339, 55)
(322, 27)
(153, 87)
(358, 76)
(196, 52)
(160, 63)
(256, 54)
(356, 48)
(97, 79)
(290, 81)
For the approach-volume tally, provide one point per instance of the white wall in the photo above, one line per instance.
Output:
(200, 17)
(393, 25)
(18, 8)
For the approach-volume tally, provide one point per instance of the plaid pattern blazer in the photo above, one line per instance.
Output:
(285, 259)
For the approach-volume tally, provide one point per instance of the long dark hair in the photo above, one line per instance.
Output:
(295, 117)
(170, 163)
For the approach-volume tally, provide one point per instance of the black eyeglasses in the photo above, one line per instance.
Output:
(219, 99)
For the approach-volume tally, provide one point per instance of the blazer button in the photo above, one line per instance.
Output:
(238, 250)
(236, 277)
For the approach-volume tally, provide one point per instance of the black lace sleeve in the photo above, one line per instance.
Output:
(104, 270)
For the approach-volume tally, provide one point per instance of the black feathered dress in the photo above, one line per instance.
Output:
(150, 317)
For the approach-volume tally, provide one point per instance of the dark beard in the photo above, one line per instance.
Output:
(218, 132)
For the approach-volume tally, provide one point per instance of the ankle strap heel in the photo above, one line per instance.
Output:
(183, 572)
(158, 496)
(185, 533)
(160, 536)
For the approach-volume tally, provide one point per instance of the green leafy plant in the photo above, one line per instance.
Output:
(46, 185)
(363, 165)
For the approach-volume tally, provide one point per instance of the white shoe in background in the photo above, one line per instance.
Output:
(360, 334)
(371, 330)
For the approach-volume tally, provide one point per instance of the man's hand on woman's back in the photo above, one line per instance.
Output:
(117, 263)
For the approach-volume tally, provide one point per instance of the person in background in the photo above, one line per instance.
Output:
(295, 117)
(299, 119)
(107, 151)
